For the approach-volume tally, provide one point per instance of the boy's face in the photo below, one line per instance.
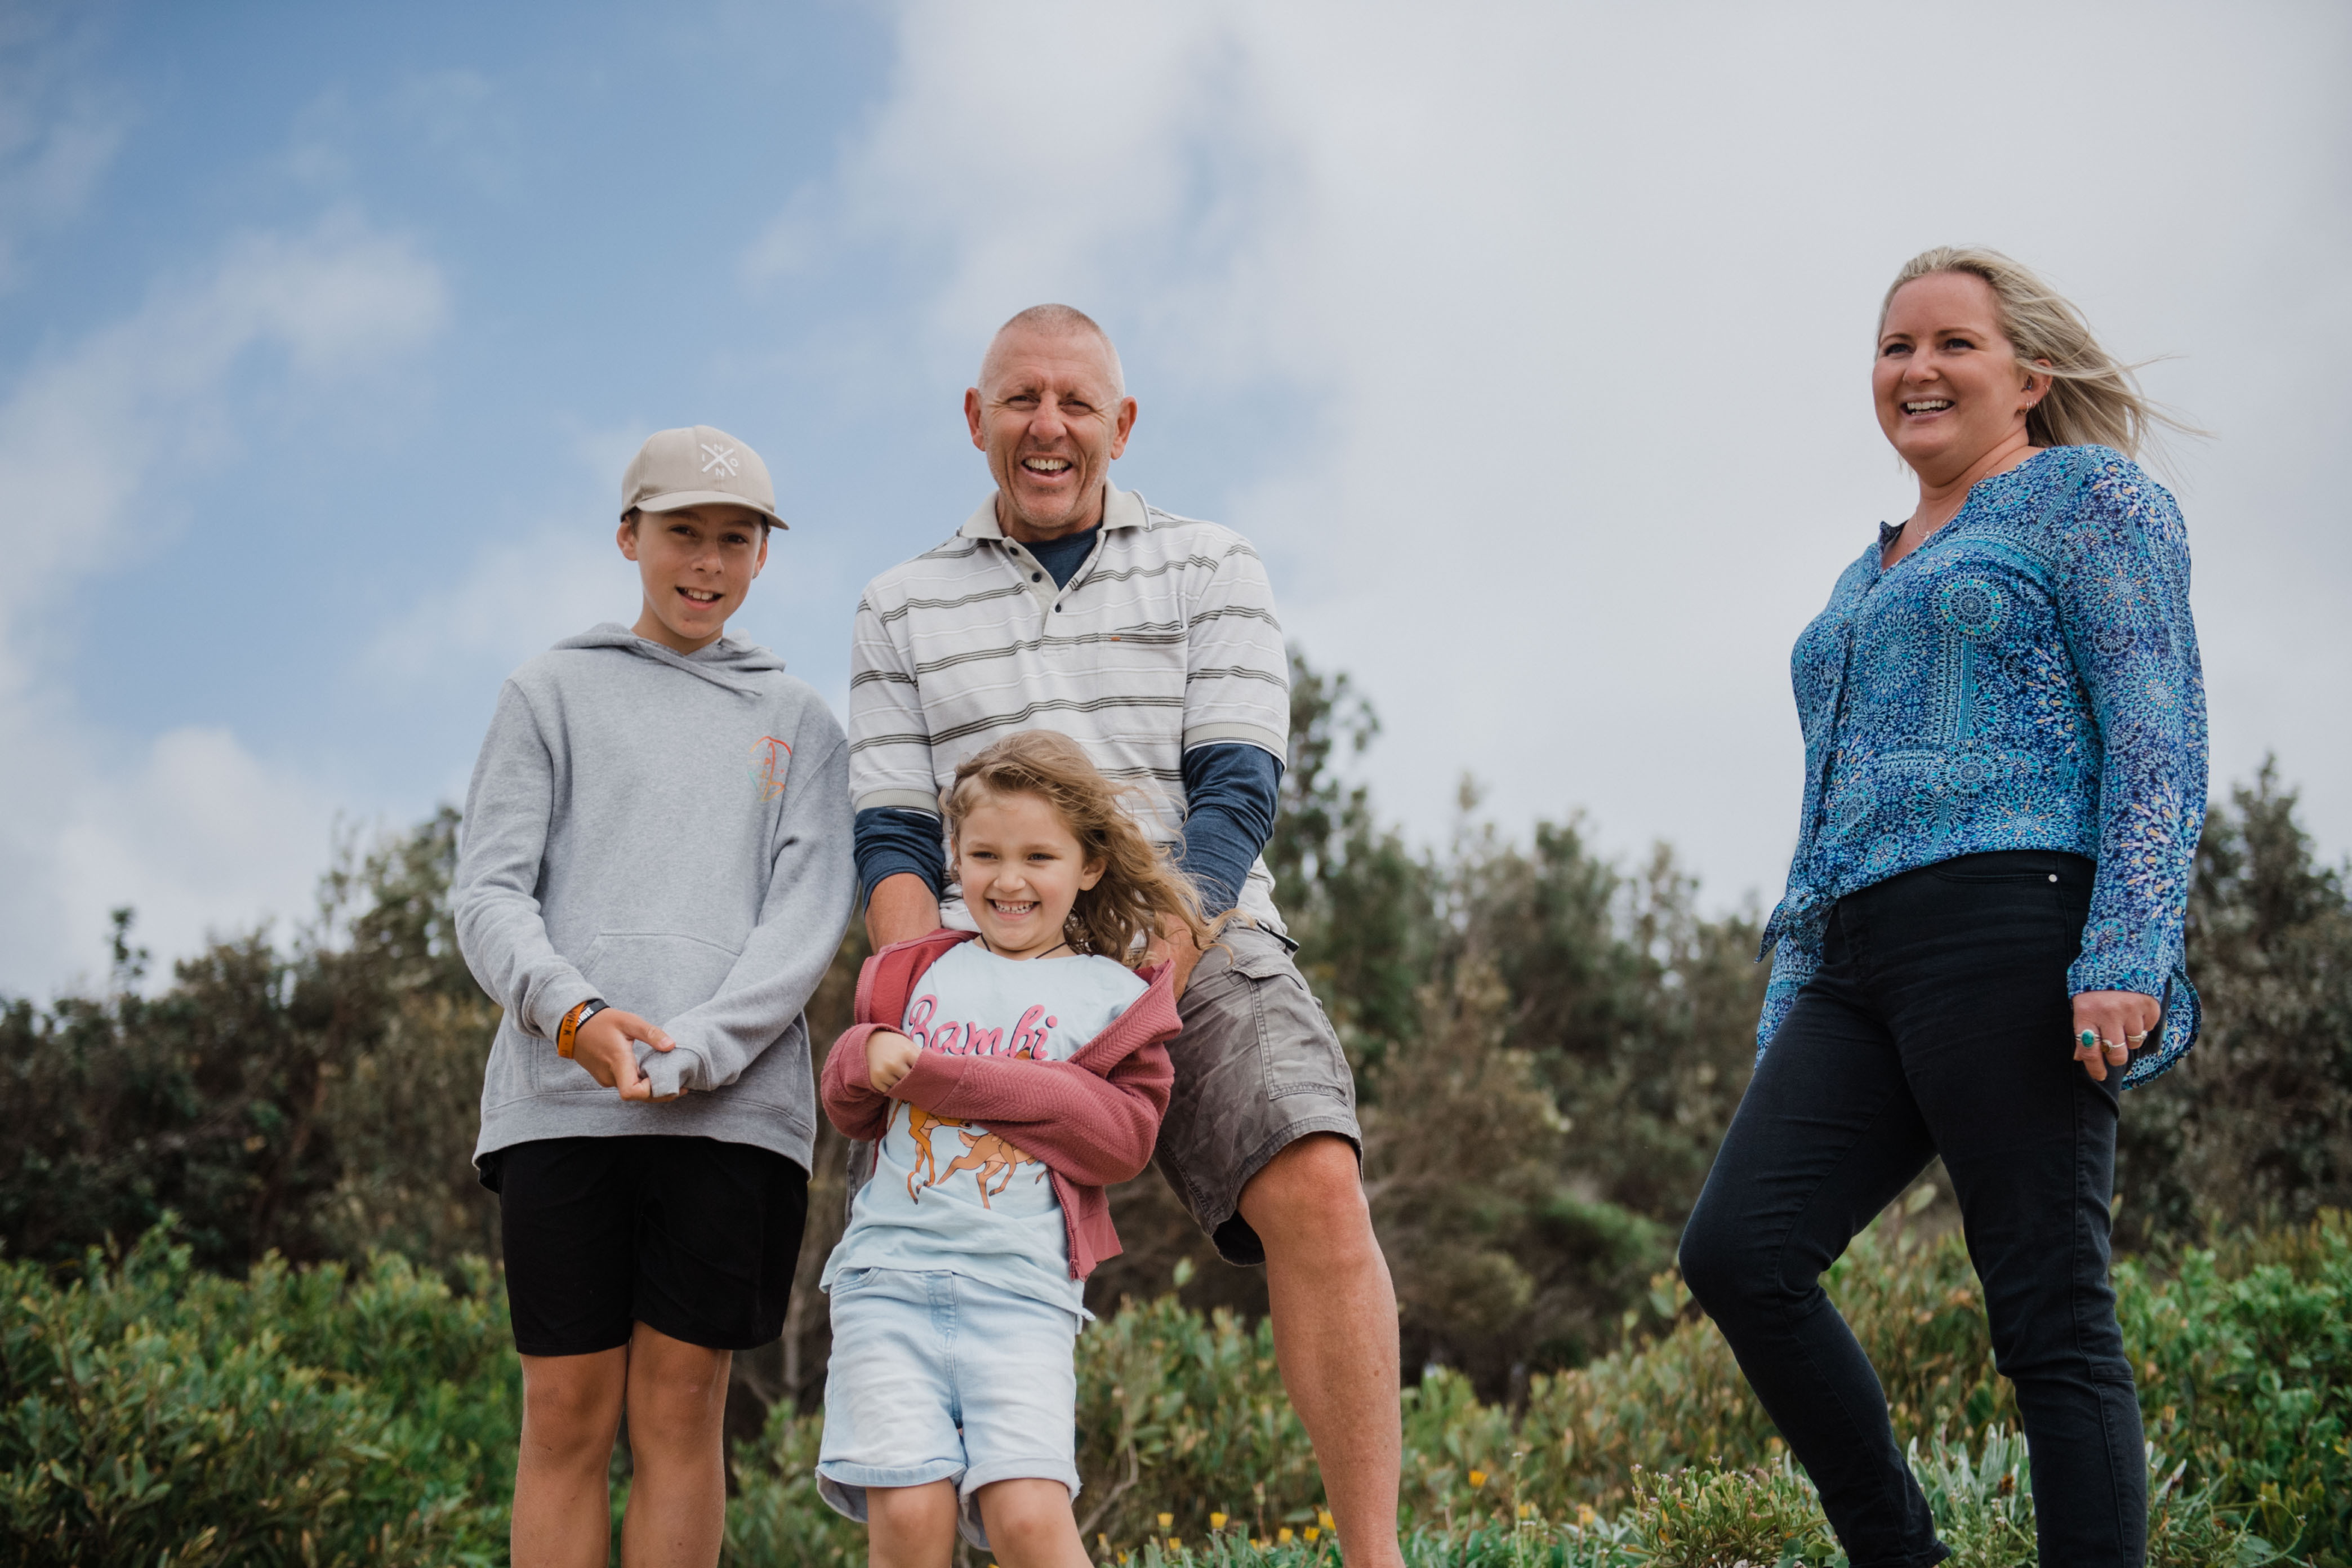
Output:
(697, 563)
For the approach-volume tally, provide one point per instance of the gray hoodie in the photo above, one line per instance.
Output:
(671, 833)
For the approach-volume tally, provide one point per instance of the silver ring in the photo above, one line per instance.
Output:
(2139, 1039)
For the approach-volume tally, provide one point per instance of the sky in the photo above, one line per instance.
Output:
(1529, 343)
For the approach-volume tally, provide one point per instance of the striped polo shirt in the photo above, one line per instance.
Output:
(1164, 639)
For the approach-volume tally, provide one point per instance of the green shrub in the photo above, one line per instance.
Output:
(151, 1412)
(775, 1516)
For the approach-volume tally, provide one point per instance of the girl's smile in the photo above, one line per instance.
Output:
(1021, 871)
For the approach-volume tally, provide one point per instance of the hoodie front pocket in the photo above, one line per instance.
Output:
(655, 974)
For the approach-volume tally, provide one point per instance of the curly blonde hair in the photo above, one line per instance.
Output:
(2095, 399)
(1140, 889)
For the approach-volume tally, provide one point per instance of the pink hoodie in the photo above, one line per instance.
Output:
(1092, 1120)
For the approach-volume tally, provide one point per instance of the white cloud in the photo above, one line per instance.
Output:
(1546, 337)
(189, 827)
(58, 130)
(514, 600)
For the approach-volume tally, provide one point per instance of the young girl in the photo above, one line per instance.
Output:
(1006, 1076)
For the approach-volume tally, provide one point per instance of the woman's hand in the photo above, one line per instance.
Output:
(2121, 1022)
(890, 1057)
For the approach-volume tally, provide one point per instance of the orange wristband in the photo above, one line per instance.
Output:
(567, 1033)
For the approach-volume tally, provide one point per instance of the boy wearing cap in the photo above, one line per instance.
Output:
(655, 874)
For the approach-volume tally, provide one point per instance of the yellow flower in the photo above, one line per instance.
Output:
(1478, 1480)
(1311, 1533)
(1282, 1536)
(1323, 1516)
(1174, 1545)
(1527, 1511)
(1216, 1521)
(1166, 1520)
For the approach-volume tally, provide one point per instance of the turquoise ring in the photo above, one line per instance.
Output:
(2087, 1040)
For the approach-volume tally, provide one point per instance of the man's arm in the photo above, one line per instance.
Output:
(1232, 791)
(902, 908)
(900, 862)
(902, 866)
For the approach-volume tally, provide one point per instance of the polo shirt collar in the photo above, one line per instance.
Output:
(1121, 508)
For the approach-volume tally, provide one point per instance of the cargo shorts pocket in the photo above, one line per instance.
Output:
(1298, 1051)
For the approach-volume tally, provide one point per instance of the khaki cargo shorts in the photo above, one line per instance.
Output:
(1258, 1067)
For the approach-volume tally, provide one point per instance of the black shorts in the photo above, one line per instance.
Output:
(689, 1236)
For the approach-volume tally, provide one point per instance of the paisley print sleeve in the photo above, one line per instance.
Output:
(1796, 959)
(2123, 603)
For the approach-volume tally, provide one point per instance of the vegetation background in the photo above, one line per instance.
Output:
(1549, 1046)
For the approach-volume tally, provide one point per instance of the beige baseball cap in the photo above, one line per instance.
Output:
(697, 466)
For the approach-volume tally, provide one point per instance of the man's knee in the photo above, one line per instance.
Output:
(1312, 1187)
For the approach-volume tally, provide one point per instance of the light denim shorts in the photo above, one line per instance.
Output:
(938, 1377)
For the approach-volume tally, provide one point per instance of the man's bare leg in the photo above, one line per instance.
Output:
(1334, 1332)
(678, 1413)
(571, 1413)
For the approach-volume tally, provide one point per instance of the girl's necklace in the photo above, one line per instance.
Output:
(1064, 943)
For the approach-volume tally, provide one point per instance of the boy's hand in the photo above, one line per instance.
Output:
(890, 1057)
(602, 1045)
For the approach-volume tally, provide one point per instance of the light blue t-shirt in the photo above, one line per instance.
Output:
(952, 1196)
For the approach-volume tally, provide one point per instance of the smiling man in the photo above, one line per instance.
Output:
(1068, 604)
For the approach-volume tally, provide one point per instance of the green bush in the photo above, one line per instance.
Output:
(153, 1413)
(1659, 1454)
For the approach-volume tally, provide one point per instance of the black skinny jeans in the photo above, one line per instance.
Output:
(1939, 1025)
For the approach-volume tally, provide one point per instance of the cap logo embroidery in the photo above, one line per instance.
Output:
(771, 760)
(720, 460)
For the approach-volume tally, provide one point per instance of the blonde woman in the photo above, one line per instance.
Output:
(1980, 944)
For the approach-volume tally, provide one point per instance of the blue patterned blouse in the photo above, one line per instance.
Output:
(2027, 679)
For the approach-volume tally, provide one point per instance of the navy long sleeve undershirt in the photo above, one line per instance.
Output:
(1232, 791)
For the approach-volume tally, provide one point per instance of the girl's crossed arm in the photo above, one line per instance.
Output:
(852, 1103)
(1097, 1130)
(1094, 1118)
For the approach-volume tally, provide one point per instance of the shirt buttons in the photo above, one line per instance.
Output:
(2053, 876)
(1036, 576)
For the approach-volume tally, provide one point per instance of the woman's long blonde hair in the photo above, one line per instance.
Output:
(2093, 399)
(1138, 890)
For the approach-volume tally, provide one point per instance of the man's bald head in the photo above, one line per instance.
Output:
(1055, 320)
(1052, 413)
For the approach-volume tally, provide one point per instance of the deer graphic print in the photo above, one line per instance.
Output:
(988, 1154)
